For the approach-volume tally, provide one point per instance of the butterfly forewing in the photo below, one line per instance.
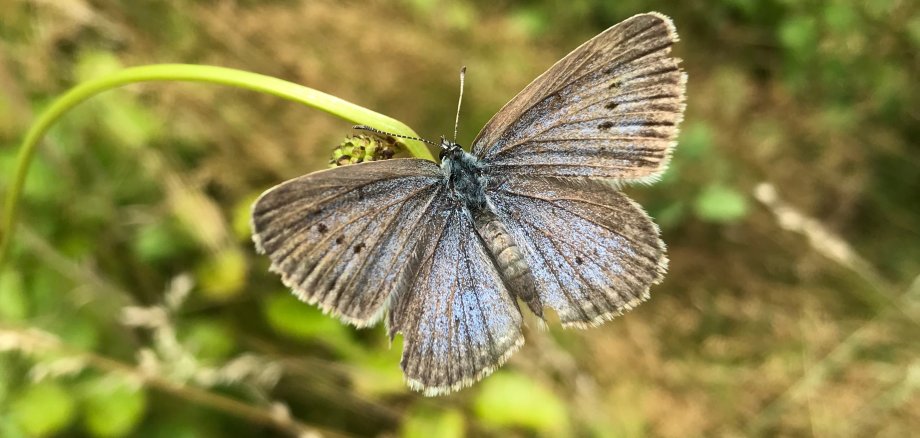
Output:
(458, 322)
(346, 238)
(593, 252)
(610, 109)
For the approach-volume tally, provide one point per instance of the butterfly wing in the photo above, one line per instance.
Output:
(610, 109)
(458, 322)
(345, 238)
(593, 252)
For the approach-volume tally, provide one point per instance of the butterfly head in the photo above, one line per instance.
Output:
(450, 150)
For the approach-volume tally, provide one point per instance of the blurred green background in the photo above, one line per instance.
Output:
(134, 304)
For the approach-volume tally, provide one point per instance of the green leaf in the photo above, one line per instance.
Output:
(112, 406)
(509, 399)
(43, 409)
(720, 203)
(424, 423)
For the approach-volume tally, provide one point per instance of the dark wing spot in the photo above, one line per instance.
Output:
(321, 228)
(605, 126)
(611, 105)
(578, 260)
(357, 248)
(339, 240)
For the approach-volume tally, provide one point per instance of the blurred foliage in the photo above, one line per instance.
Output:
(111, 407)
(447, 423)
(43, 409)
(757, 330)
(508, 399)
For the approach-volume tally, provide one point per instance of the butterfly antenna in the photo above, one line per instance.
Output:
(377, 131)
(459, 101)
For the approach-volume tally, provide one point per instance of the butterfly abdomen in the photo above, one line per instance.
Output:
(508, 259)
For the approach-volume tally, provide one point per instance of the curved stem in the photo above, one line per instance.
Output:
(189, 73)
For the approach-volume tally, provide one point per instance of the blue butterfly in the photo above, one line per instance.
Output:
(444, 251)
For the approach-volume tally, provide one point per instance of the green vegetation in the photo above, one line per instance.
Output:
(133, 304)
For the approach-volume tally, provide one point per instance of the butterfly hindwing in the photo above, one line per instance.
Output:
(458, 321)
(610, 109)
(345, 238)
(592, 251)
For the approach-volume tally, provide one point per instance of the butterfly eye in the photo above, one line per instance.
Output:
(449, 149)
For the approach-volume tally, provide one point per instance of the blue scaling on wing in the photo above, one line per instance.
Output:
(610, 109)
(592, 251)
(458, 321)
(346, 238)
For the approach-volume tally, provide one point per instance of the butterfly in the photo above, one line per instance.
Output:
(533, 214)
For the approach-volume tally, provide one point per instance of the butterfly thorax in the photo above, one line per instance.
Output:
(463, 176)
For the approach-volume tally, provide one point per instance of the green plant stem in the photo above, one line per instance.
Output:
(188, 73)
